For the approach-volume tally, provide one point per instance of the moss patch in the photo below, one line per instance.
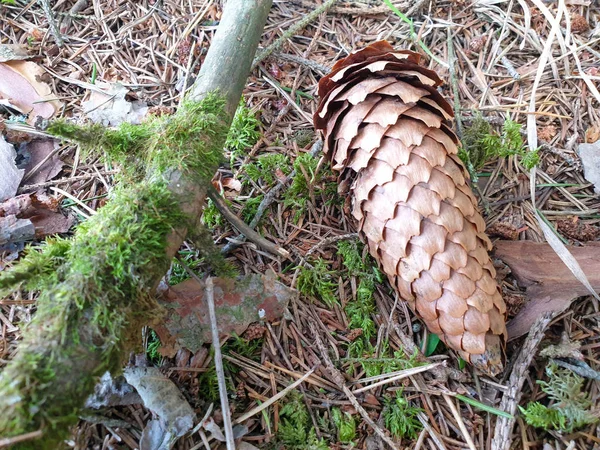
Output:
(97, 288)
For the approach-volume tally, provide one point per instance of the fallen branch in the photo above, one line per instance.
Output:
(96, 296)
(510, 400)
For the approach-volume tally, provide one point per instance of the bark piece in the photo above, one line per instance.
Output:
(551, 287)
(238, 303)
(412, 204)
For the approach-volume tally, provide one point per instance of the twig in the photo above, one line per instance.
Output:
(270, 197)
(242, 226)
(45, 4)
(275, 398)
(510, 399)
(331, 240)
(315, 66)
(339, 380)
(7, 442)
(265, 53)
(460, 422)
(398, 376)
(218, 359)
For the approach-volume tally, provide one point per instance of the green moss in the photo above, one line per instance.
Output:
(400, 418)
(318, 282)
(189, 141)
(211, 217)
(266, 165)
(361, 309)
(81, 323)
(40, 267)
(482, 144)
(569, 407)
(152, 347)
(244, 132)
(345, 424)
(251, 207)
(295, 429)
(362, 351)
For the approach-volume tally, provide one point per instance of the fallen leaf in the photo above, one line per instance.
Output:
(19, 83)
(590, 159)
(107, 105)
(592, 134)
(10, 175)
(111, 391)
(238, 302)
(13, 229)
(551, 287)
(161, 396)
(41, 210)
(232, 187)
(39, 151)
(10, 52)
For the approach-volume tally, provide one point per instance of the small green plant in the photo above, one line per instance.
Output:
(251, 207)
(318, 282)
(244, 132)
(400, 418)
(178, 272)
(362, 351)
(295, 430)
(569, 407)
(361, 309)
(266, 165)
(481, 143)
(211, 217)
(8, 2)
(152, 346)
(345, 424)
(297, 195)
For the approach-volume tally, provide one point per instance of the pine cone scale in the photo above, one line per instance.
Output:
(385, 132)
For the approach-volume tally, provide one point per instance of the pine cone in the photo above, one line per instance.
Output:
(387, 135)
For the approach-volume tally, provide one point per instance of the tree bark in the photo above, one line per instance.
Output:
(64, 350)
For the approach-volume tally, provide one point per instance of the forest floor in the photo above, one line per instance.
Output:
(153, 48)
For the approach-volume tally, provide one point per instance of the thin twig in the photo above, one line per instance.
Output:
(243, 227)
(45, 4)
(339, 380)
(275, 398)
(269, 198)
(510, 399)
(293, 30)
(218, 359)
(7, 442)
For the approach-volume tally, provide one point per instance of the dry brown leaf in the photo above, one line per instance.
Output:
(20, 84)
(39, 151)
(239, 302)
(11, 52)
(550, 284)
(386, 132)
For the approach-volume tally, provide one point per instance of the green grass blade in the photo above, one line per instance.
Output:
(483, 406)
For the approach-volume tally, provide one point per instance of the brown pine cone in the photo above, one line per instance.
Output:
(387, 134)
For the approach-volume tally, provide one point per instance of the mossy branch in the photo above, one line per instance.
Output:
(92, 307)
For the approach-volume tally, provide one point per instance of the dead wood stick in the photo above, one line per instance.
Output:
(45, 4)
(242, 227)
(267, 201)
(218, 358)
(339, 380)
(301, 24)
(48, 381)
(504, 426)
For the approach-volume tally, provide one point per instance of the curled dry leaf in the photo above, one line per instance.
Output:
(21, 85)
(387, 134)
(10, 175)
(38, 209)
(239, 302)
(590, 159)
(161, 396)
(41, 151)
(550, 284)
(107, 105)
